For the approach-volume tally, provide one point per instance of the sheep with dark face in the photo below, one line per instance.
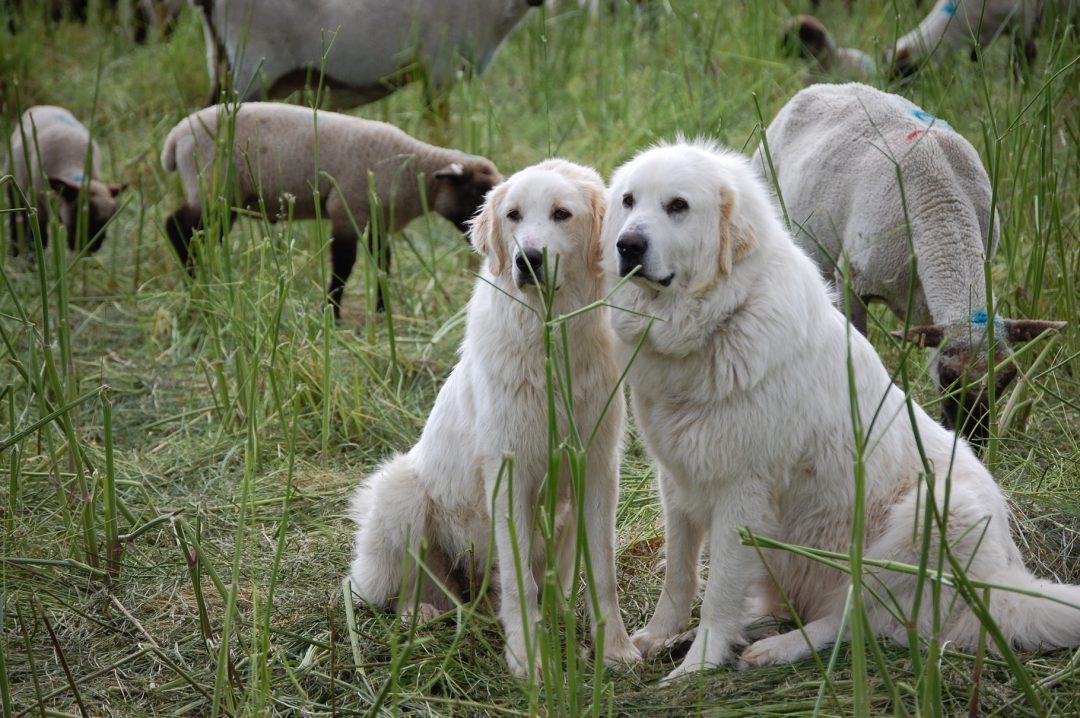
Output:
(279, 45)
(49, 151)
(837, 151)
(273, 155)
(807, 37)
(959, 23)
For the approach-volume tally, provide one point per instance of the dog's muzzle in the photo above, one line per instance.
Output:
(632, 247)
(530, 266)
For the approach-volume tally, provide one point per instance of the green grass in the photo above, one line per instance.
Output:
(178, 453)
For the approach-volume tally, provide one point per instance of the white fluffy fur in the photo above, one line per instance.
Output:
(494, 404)
(741, 394)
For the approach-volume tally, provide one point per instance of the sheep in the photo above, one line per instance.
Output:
(956, 23)
(836, 152)
(279, 44)
(807, 37)
(274, 151)
(49, 149)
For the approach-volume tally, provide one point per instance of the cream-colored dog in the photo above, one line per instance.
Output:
(741, 393)
(494, 404)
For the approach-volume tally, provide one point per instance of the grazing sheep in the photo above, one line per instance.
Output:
(956, 23)
(49, 149)
(835, 151)
(274, 154)
(807, 37)
(278, 45)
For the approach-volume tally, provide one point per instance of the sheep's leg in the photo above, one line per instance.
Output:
(14, 220)
(342, 259)
(379, 245)
(179, 228)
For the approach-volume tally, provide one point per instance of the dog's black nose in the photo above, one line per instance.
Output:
(632, 245)
(530, 258)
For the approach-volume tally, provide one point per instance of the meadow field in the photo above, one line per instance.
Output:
(177, 452)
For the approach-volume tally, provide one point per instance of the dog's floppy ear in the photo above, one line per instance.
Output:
(598, 206)
(485, 230)
(736, 239)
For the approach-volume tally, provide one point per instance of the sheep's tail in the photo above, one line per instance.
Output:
(1029, 623)
(390, 510)
(168, 152)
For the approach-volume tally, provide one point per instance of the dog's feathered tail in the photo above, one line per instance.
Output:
(1028, 623)
(390, 512)
(1045, 622)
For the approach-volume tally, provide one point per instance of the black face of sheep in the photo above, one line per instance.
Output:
(965, 401)
(98, 206)
(806, 37)
(959, 368)
(460, 190)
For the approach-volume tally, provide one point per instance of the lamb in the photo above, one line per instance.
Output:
(274, 146)
(956, 23)
(807, 37)
(834, 153)
(49, 149)
(274, 47)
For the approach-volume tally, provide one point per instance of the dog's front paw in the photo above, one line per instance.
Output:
(650, 644)
(424, 612)
(709, 650)
(621, 651)
(518, 662)
(782, 648)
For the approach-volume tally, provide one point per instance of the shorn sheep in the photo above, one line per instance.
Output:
(835, 150)
(371, 47)
(958, 23)
(273, 156)
(49, 150)
(807, 37)
(950, 24)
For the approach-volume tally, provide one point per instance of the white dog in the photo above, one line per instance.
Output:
(495, 403)
(741, 393)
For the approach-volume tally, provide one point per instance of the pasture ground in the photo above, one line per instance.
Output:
(177, 453)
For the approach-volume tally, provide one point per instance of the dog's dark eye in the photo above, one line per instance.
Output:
(677, 205)
(628, 200)
(561, 215)
(513, 215)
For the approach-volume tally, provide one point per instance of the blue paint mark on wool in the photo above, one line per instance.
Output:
(980, 318)
(949, 8)
(926, 118)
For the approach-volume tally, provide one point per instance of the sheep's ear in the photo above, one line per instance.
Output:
(116, 188)
(67, 189)
(453, 172)
(930, 335)
(736, 239)
(1024, 330)
(485, 231)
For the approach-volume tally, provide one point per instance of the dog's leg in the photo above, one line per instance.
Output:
(732, 570)
(684, 535)
(512, 498)
(793, 645)
(601, 497)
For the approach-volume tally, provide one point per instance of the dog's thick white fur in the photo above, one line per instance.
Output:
(741, 394)
(494, 404)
